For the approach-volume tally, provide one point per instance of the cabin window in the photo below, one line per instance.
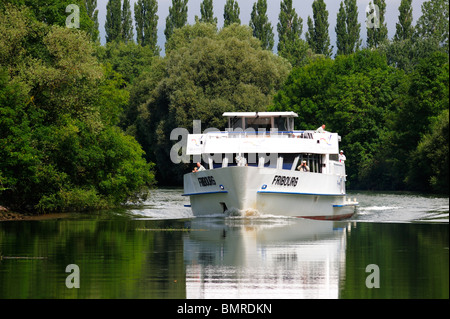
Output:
(235, 122)
(334, 157)
(288, 160)
(258, 123)
(280, 124)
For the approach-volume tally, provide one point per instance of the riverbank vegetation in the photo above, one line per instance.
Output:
(87, 126)
(60, 146)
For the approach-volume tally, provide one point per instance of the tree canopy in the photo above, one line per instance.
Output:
(60, 146)
(146, 24)
(317, 36)
(261, 26)
(231, 13)
(384, 115)
(377, 34)
(177, 17)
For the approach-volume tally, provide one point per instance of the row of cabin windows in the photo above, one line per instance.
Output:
(262, 123)
(314, 161)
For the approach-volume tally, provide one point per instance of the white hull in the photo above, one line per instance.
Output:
(268, 191)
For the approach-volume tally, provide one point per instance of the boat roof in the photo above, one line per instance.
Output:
(260, 114)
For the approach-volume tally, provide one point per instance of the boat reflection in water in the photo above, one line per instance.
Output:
(264, 258)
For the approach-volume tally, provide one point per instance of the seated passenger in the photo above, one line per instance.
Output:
(199, 168)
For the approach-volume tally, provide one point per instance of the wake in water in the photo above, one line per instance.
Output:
(374, 207)
(403, 208)
(163, 204)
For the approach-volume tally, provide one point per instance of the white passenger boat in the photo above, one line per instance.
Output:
(252, 168)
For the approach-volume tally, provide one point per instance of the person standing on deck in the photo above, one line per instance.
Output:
(342, 157)
(321, 129)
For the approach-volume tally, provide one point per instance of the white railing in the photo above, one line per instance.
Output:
(261, 134)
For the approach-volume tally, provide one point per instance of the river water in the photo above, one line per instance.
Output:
(397, 246)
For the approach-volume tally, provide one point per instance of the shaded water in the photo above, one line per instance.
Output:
(158, 250)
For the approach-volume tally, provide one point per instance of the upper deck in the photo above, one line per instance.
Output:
(262, 132)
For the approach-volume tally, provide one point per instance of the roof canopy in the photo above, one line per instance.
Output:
(260, 114)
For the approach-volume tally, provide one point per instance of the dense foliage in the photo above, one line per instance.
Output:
(231, 12)
(317, 35)
(386, 117)
(260, 24)
(60, 148)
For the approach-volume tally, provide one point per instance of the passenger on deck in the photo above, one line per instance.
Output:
(342, 157)
(241, 161)
(198, 168)
(303, 167)
(321, 129)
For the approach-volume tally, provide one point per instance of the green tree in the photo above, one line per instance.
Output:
(399, 165)
(92, 12)
(231, 13)
(347, 28)
(18, 158)
(290, 27)
(128, 59)
(354, 95)
(377, 34)
(113, 23)
(127, 22)
(404, 28)
(184, 36)
(433, 24)
(341, 31)
(302, 93)
(53, 12)
(177, 17)
(430, 167)
(207, 12)
(353, 26)
(261, 26)
(428, 96)
(317, 35)
(60, 147)
(147, 23)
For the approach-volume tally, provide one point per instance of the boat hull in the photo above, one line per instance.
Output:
(246, 190)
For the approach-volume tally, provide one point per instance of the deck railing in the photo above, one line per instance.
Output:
(261, 134)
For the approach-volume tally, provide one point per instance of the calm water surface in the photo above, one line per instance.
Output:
(158, 250)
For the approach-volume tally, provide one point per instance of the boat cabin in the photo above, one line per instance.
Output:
(269, 121)
(266, 139)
